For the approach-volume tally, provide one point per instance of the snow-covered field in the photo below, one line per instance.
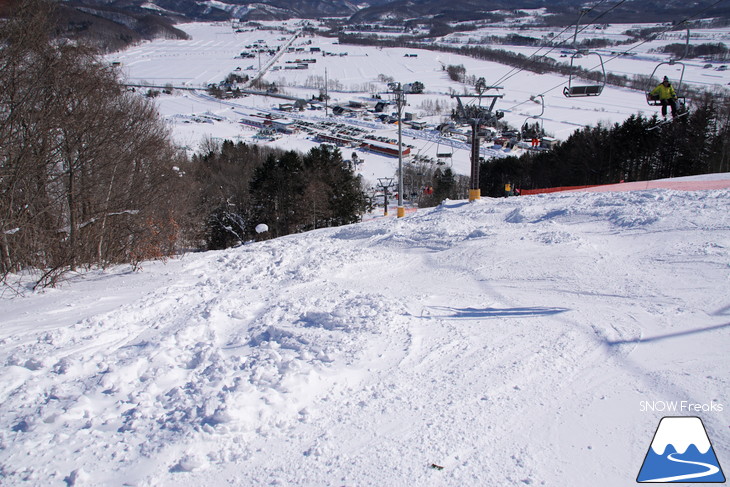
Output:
(507, 342)
(211, 54)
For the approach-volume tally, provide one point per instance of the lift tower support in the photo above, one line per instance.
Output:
(476, 116)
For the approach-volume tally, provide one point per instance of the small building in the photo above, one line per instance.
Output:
(548, 142)
(417, 125)
(380, 106)
(501, 141)
(284, 126)
(339, 110)
(300, 104)
(385, 148)
(337, 140)
(257, 122)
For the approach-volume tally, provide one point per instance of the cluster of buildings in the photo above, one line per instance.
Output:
(384, 148)
(270, 124)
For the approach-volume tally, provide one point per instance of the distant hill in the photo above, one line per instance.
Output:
(206, 10)
(114, 24)
(451, 11)
(563, 12)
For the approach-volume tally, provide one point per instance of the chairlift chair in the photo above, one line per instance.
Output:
(539, 99)
(574, 90)
(442, 156)
(653, 100)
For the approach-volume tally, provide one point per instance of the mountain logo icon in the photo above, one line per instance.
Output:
(681, 452)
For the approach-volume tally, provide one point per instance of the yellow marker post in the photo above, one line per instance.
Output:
(401, 212)
(475, 194)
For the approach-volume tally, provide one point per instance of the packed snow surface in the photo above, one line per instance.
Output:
(505, 342)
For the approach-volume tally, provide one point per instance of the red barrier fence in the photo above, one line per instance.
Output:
(680, 185)
(524, 192)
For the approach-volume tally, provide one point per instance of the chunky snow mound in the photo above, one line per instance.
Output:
(509, 341)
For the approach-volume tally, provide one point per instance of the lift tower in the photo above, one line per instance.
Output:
(476, 116)
(399, 93)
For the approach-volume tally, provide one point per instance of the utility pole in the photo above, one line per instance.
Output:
(400, 100)
(475, 116)
(385, 183)
(326, 93)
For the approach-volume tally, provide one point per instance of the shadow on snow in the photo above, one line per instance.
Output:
(668, 335)
(482, 313)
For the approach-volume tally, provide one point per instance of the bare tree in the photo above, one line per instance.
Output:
(87, 170)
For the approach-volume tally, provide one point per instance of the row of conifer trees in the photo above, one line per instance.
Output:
(634, 150)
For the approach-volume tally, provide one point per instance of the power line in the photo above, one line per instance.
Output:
(623, 53)
(515, 71)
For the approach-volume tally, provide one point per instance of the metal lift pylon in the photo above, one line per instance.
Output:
(476, 116)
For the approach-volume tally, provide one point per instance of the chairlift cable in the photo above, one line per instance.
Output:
(515, 71)
(534, 57)
(664, 31)
(622, 53)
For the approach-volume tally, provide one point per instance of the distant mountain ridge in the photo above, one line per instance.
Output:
(372, 10)
(113, 27)
(114, 24)
(207, 10)
(563, 12)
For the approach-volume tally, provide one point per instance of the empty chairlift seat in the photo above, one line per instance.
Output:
(586, 90)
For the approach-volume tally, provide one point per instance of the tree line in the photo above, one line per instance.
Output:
(636, 150)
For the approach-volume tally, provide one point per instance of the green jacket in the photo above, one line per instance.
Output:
(664, 92)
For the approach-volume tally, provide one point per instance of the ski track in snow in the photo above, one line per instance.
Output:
(509, 341)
